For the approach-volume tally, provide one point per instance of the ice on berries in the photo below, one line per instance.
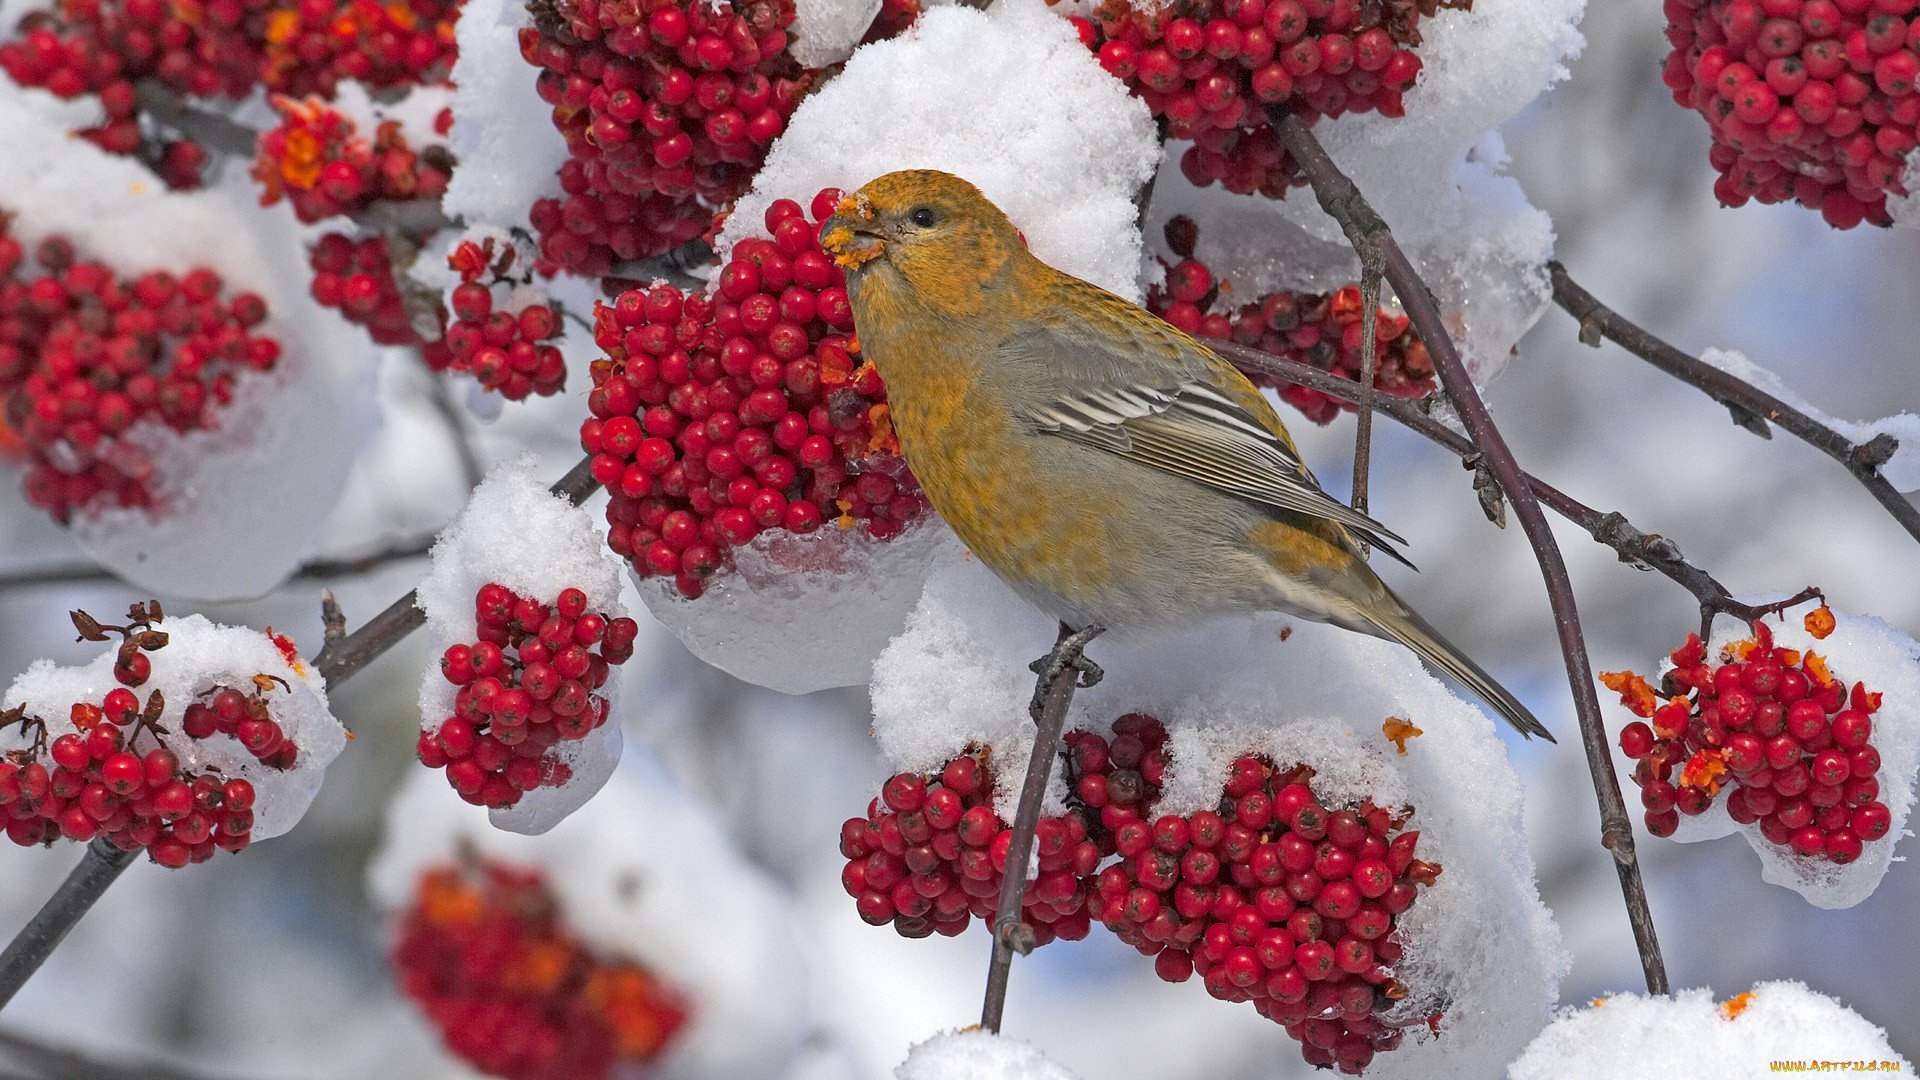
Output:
(643, 872)
(1886, 661)
(524, 601)
(1902, 470)
(1008, 99)
(232, 508)
(1480, 947)
(199, 659)
(977, 1054)
(1689, 1036)
(825, 31)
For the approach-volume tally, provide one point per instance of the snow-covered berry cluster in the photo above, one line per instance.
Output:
(1786, 738)
(321, 163)
(718, 417)
(931, 853)
(1208, 69)
(85, 356)
(1273, 898)
(530, 682)
(115, 774)
(502, 331)
(487, 954)
(1322, 329)
(1810, 100)
(311, 45)
(667, 106)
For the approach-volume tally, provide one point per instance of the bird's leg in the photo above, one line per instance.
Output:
(1068, 653)
(1051, 696)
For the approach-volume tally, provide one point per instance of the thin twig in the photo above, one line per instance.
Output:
(98, 868)
(342, 658)
(215, 131)
(1060, 671)
(322, 569)
(1751, 406)
(44, 1061)
(453, 418)
(1370, 271)
(1339, 197)
(1648, 551)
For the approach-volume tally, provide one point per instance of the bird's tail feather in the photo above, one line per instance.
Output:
(1415, 633)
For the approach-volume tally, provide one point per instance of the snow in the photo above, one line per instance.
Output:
(1902, 470)
(798, 613)
(977, 1054)
(200, 655)
(516, 533)
(415, 112)
(825, 31)
(1480, 940)
(1905, 209)
(1860, 649)
(245, 503)
(1689, 1037)
(642, 872)
(503, 135)
(1008, 99)
(1435, 175)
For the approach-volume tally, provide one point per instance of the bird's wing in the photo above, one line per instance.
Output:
(1194, 430)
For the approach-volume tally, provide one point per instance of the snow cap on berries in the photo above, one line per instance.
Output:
(1294, 692)
(1009, 99)
(198, 657)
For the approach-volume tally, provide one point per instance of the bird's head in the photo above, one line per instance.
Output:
(934, 228)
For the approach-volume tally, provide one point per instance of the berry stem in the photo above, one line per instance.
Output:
(1060, 671)
(1751, 406)
(88, 881)
(343, 657)
(213, 130)
(1340, 198)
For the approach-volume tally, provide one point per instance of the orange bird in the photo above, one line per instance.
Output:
(1110, 468)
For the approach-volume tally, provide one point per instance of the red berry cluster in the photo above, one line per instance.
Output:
(509, 351)
(313, 44)
(716, 418)
(356, 277)
(486, 953)
(1274, 898)
(317, 159)
(1208, 69)
(527, 684)
(85, 355)
(931, 853)
(97, 781)
(1773, 726)
(1811, 100)
(1322, 329)
(667, 106)
(105, 47)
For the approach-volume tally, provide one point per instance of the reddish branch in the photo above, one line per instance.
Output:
(1370, 236)
(1752, 407)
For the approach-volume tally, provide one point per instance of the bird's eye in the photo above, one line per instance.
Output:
(922, 217)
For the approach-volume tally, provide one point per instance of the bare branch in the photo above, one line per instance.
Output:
(1060, 671)
(1752, 407)
(86, 883)
(1340, 198)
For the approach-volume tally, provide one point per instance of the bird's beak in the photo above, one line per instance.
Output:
(852, 235)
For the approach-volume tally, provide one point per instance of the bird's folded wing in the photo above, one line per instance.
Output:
(1195, 431)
